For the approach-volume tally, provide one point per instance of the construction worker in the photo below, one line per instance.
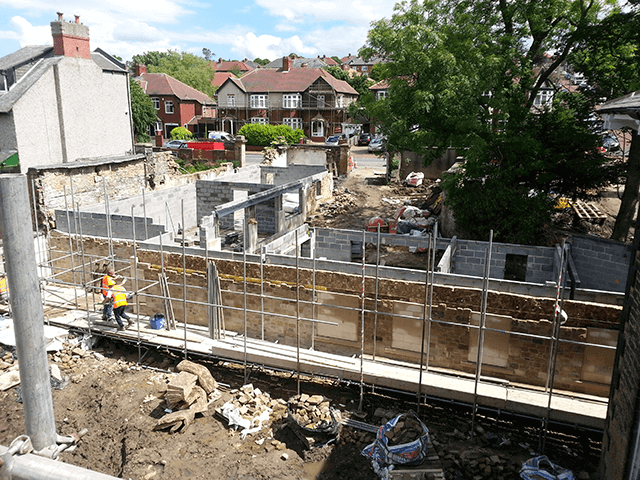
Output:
(119, 297)
(108, 282)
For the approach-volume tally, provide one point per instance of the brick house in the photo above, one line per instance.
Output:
(177, 104)
(306, 98)
(63, 102)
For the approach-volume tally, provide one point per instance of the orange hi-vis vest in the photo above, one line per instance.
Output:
(119, 296)
(107, 283)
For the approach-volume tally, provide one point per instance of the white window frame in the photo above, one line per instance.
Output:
(156, 102)
(292, 100)
(320, 101)
(293, 122)
(340, 101)
(260, 120)
(381, 94)
(231, 99)
(158, 127)
(259, 101)
(543, 97)
(364, 68)
(169, 109)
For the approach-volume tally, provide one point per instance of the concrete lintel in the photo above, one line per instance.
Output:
(257, 198)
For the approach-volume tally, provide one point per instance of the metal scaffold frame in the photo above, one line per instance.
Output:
(84, 278)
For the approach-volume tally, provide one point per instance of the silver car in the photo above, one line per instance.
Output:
(175, 144)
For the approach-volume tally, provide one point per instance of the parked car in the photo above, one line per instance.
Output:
(221, 137)
(364, 139)
(376, 145)
(175, 144)
(332, 140)
(610, 143)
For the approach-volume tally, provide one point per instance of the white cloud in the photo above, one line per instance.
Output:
(269, 46)
(358, 12)
(27, 34)
(284, 27)
(339, 40)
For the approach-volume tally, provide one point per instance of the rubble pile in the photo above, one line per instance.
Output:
(405, 431)
(342, 202)
(252, 402)
(358, 437)
(187, 393)
(311, 412)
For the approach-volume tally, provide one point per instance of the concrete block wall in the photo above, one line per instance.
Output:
(95, 224)
(162, 207)
(282, 175)
(602, 264)
(470, 256)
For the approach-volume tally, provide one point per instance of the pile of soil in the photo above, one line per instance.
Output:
(120, 402)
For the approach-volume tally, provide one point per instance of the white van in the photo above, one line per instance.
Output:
(221, 137)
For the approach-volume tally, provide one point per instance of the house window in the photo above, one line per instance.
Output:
(364, 68)
(231, 100)
(340, 101)
(292, 101)
(543, 97)
(168, 107)
(3, 83)
(292, 122)
(261, 120)
(381, 94)
(156, 103)
(320, 101)
(259, 101)
(158, 127)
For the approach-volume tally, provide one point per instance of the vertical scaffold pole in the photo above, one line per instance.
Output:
(483, 319)
(297, 312)
(26, 308)
(364, 263)
(244, 297)
(424, 322)
(71, 253)
(184, 281)
(375, 305)
(313, 292)
(135, 284)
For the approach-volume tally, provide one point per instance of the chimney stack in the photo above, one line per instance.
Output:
(286, 64)
(70, 39)
(139, 69)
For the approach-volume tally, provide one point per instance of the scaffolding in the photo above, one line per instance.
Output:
(82, 278)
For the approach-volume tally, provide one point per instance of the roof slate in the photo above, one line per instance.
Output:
(163, 84)
(295, 80)
(228, 66)
(629, 103)
(24, 55)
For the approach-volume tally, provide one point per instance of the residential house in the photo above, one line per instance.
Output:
(176, 103)
(232, 66)
(362, 66)
(306, 98)
(299, 62)
(63, 102)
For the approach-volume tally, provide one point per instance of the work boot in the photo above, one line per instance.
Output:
(121, 327)
(130, 322)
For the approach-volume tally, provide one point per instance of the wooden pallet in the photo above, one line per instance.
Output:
(588, 212)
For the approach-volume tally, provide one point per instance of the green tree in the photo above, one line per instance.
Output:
(188, 68)
(261, 61)
(337, 59)
(142, 111)
(150, 59)
(180, 133)
(609, 56)
(360, 83)
(265, 135)
(462, 74)
(207, 54)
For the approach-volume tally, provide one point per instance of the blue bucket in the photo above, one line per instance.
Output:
(157, 321)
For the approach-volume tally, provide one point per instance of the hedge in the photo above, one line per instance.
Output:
(263, 135)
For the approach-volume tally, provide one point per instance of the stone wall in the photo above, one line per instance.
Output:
(411, 162)
(398, 326)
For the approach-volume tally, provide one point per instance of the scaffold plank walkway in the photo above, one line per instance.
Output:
(583, 410)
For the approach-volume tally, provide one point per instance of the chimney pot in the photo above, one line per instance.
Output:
(59, 16)
(77, 18)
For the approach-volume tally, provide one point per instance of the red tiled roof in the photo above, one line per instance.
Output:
(295, 80)
(330, 62)
(381, 85)
(225, 66)
(348, 57)
(220, 78)
(163, 84)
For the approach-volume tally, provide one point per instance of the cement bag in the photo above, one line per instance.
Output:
(385, 452)
(541, 468)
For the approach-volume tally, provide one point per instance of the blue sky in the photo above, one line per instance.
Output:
(230, 29)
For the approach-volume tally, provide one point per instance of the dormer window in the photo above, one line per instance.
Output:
(4, 86)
